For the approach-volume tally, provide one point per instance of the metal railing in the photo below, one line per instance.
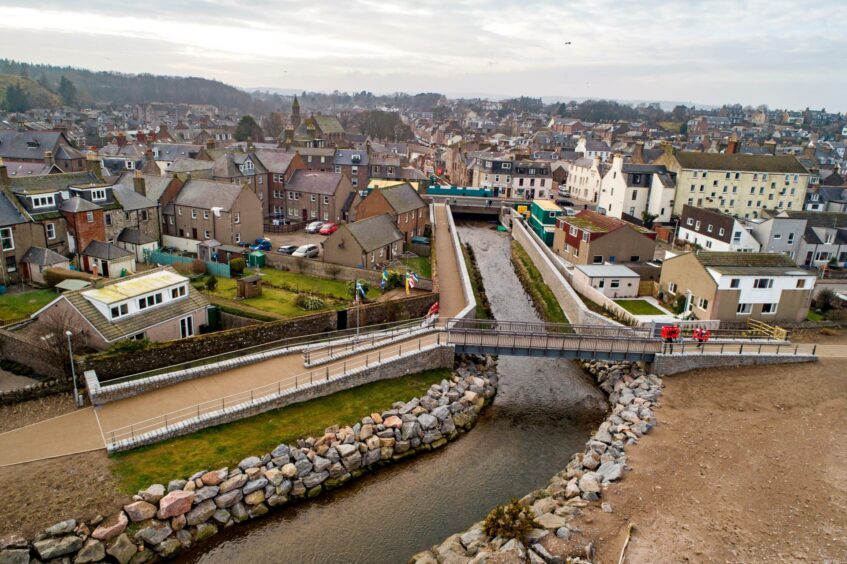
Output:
(258, 394)
(740, 348)
(552, 341)
(287, 343)
(319, 354)
(537, 327)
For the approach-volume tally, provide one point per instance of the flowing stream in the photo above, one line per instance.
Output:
(543, 412)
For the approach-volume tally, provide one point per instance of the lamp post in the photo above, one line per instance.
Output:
(69, 334)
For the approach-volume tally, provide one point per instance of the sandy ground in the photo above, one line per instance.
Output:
(746, 465)
(37, 494)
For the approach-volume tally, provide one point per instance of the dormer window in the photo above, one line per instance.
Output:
(43, 201)
(98, 194)
(119, 310)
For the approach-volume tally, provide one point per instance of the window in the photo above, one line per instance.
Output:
(672, 287)
(769, 308)
(6, 240)
(791, 238)
(721, 231)
(744, 309)
(326, 200)
(313, 198)
(89, 217)
(573, 231)
(177, 292)
(598, 259)
(179, 211)
(326, 216)
(43, 201)
(697, 225)
(585, 236)
(614, 283)
(763, 283)
(602, 283)
(238, 237)
(703, 303)
(735, 283)
(709, 228)
(118, 311)
(801, 283)
(186, 327)
(193, 213)
(206, 234)
(689, 221)
(205, 214)
(11, 265)
(99, 194)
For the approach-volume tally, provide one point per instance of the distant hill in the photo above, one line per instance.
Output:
(39, 96)
(119, 88)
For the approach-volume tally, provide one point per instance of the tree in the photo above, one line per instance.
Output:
(67, 91)
(648, 218)
(248, 129)
(211, 283)
(42, 80)
(17, 99)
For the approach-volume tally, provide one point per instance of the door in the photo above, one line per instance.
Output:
(105, 267)
(809, 257)
(194, 233)
(342, 319)
(186, 327)
(305, 214)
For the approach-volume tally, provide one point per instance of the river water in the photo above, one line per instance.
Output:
(543, 412)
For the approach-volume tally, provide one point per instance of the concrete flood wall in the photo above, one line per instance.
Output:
(668, 364)
(469, 311)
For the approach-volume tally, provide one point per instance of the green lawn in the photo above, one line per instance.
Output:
(543, 298)
(812, 315)
(639, 307)
(421, 266)
(228, 444)
(273, 300)
(302, 283)
(22, 304)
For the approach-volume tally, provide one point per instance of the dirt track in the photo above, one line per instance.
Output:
(746, 465)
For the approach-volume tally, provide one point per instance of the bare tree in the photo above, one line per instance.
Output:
(50, 331)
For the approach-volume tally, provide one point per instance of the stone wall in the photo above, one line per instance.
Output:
(667, 364)
(37, 390)
(29, 352)
(575, 310)
(165, 519)
(110, 366)
(439, 356)
(321, 269)
(413, 307)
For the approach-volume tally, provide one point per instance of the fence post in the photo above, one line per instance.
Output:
(777, 350)
(327, 372)
(166, 422)
(741, 349)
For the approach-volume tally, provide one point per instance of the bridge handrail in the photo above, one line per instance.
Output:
(540, 327)
(337, 369)
(740, 348)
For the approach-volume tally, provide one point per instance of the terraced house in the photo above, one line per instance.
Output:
(591, 238)
(205, 209)
(320, 196)
(740, 185)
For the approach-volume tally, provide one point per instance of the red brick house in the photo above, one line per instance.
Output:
(402, 203)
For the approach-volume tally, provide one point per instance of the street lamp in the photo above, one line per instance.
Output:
(73, 371)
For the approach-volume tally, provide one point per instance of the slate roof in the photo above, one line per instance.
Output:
(345, 157)
(184, 164)
(314, 182)
(77, 204)
(208, 194)
(328, 124)
(51, 182)
(105, 251)
(31, 144)
(43, 257)
(403, 198)
(131, 200)
(375, 232)
(173, 151)
(155, 185)
(226, 167)
(747, 163)
(22, 168)
(134, 237)
(9, 214)
(276, 162)
(132, 325)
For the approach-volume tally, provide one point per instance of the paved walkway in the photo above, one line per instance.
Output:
(84, 430)
(10, 382)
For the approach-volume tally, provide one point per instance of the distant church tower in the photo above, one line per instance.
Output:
(295, 113)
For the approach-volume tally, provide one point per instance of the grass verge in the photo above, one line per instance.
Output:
(226, 445)
(483, 307)
(542, 297)
(639, 307)
(419, 265)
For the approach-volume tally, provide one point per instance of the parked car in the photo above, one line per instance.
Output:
(261, 245)
(314, 227)
(421, 240)
(329, 228)
(569, 211)
(245, 244)
(282, 222)
(563, 192)
(564, 202)
(287, 249)
(308, 251)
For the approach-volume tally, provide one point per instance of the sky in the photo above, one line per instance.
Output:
(782, 53)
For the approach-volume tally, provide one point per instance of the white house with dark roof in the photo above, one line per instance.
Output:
(590, 148)
(629, 189)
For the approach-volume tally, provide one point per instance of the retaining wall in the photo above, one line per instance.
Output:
(36, 390)
(30, 352)
(469, 311)
(321, 269)
(575, 310)
(436, 356)
(667, 364)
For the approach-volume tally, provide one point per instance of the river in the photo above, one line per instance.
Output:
(543, 412)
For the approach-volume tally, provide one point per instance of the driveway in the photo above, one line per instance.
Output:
(296, 238)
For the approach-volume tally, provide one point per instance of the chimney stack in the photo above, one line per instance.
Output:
(163, 131)
(121, 140)
(139, 183)
(732, 145)
(771, 145)
(92, 162)
(638, 153)
(48, 158)
(668, 148)
(4, 175)
(210, 143)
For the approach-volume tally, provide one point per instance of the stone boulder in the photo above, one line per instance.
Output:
(177, 502)
(110, 528)
(54, 547)
(140, 511)
(154, 534)
(153, 494)
(92, 551)
(122, 549)
(202, 512)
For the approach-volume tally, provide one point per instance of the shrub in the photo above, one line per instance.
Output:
(237, 265)
(211, 283)
(129, 346)
(826, 300)
(511, 521)
(198, 266)
(309, 302)
(395, 280)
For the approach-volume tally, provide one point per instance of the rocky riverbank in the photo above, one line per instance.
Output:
(552, 537)
(163, 520)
